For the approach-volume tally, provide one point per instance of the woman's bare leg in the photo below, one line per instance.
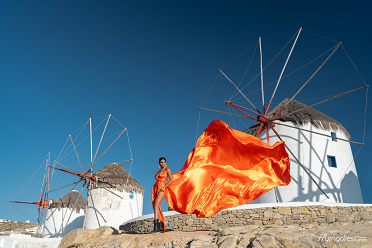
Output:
(158, 200)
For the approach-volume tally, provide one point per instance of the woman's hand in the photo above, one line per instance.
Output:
(162, 189)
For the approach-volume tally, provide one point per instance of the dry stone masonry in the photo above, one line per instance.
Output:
(266, 227)
(315, 214)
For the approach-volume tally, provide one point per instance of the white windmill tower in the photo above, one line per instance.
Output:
(113, 198)
(322, 163)
(322, 146)
(64, 215)
(113, 179)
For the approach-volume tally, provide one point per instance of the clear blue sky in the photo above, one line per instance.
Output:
(151, 64)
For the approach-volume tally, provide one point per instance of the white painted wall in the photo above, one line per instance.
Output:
(106, 209)
(26, 241)
(56, 220)
(341, 183)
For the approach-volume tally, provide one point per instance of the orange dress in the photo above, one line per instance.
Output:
(161, 181)
(226, 168)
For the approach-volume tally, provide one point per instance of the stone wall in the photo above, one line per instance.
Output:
(285, 215)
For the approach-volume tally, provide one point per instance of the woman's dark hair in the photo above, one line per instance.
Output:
(160, 159)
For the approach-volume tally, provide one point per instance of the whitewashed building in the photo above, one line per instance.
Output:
(64, 215)
(329, 160)
(114, 198)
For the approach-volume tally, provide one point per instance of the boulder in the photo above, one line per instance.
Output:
(78, 237)
(331, 234)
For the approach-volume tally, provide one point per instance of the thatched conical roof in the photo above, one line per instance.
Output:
(72, 199)
(114, 175)
(304, 116)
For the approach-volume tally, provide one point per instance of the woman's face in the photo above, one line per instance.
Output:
(162, 163)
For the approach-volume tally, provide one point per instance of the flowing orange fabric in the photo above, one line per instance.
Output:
(227, 168)
(161, 181)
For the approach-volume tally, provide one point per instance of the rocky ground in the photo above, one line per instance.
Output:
(16, 227)
(347, 234)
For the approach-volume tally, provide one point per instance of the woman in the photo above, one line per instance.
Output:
(158, 192)
(227, 168)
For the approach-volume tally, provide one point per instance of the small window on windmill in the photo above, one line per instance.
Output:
(332, 161)
(333, 136)
(131, 194)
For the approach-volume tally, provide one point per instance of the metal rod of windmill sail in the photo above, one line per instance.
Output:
(67, 193)
(44, 185)
(240, 91)
(99, 144)
(44, 199)
(237, 107)
(94, 207)
(217, 111)
(81, 175)
(281, 124)
(281, 74)
(331, 98)
(127, 162)
(334, 50)
(129, 169)
(42, 210)
(51, 214)
(303, 167)
(108, 147)
(50, 175)
(77, 155)
(91, 141)
(262, 88)
(109, 191)
(245, 129)
(62, 187)
(72, 210)
(27, 202)
(280, 111)
(62, 165)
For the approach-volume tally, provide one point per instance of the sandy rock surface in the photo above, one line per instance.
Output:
(358, 234)
(20, 227)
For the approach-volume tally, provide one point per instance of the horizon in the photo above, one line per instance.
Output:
(152, 66)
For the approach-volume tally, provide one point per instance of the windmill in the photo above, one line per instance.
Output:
(75, 161)
(64, 215)
(308, 133)
(114, 199)
(42, 202)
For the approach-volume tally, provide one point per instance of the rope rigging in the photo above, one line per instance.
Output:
(265, 66)
(87, 176)
(43, 201)
(264, 123)
(285, 75)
